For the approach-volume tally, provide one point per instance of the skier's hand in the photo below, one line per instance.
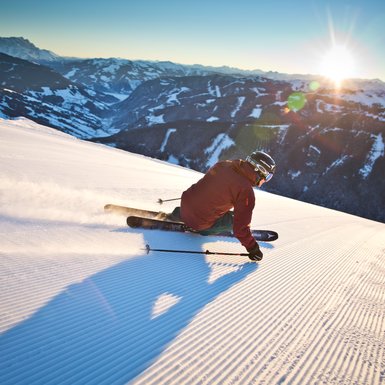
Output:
(255, 254)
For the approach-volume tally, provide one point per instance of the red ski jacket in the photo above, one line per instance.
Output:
(227, 185)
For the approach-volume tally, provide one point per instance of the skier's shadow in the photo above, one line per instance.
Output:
(107, 328)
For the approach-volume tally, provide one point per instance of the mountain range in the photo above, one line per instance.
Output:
(328, 144)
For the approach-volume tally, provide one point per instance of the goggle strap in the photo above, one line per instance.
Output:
(257, 166)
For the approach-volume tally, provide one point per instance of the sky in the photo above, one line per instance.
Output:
(271, 35)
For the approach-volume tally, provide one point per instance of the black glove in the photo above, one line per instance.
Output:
(255, 254)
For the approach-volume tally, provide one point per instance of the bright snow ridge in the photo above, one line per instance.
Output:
(81, 302)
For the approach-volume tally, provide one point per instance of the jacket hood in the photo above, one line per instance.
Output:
(246, 169)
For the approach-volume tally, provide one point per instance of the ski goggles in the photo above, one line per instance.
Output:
(264, 173)
(260, 170)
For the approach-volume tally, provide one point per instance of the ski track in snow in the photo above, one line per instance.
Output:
(81, 302)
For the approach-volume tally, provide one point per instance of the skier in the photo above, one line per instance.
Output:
(205, 206)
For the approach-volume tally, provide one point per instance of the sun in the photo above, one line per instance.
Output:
(338, 64)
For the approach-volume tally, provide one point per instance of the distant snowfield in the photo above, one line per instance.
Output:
(81, 302)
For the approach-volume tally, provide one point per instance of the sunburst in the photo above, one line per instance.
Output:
(338, 64)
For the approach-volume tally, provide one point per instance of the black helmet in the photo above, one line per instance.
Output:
(263, 163)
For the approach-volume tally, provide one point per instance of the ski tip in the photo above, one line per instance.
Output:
(110, 208)
(273, 236)
(265, 235)
(133, 221)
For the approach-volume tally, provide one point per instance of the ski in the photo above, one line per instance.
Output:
(135, 221)
(130, 211)
(156, 224)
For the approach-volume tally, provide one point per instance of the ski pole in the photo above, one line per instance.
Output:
(160, 201)
(207, 252)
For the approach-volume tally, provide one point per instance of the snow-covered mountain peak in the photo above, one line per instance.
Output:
(24, 49)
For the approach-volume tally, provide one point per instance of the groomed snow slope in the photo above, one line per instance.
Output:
(81, 302)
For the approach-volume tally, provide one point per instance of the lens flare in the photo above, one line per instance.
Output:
(296, 101)
(314, 85)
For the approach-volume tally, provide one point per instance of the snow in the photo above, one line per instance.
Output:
(214, 90)
(11, 91)
(120, 97)
(82, 303)
(365, 98)
(256, 112)
(258, 91)
(315, 149)
(113, 68)
(167, 136)
(155, 119)
(71, 73)
(172, 159)
(294, 174)
(173, 97)
(163, 304)
(378, 150)
(220, 143)
(337, 163)
(240, 101)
